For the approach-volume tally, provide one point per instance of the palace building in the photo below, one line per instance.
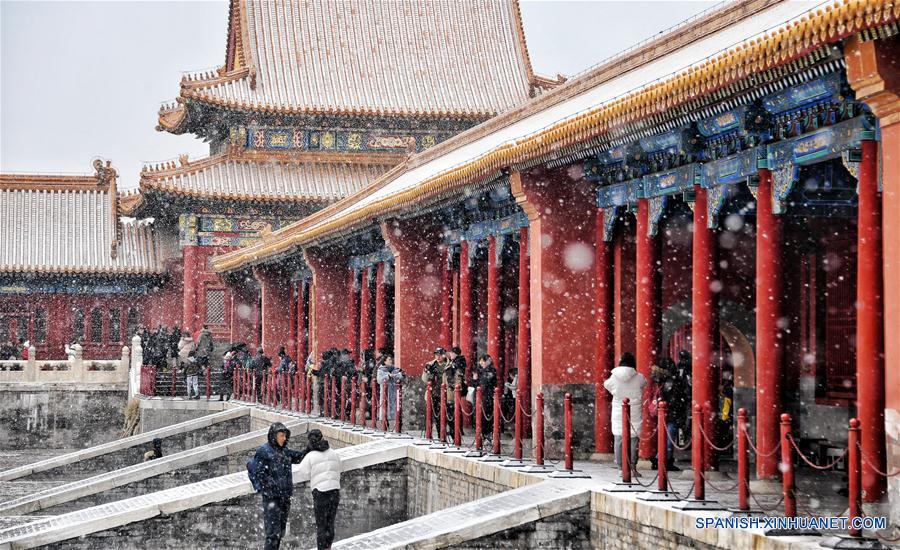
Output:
(403, 179)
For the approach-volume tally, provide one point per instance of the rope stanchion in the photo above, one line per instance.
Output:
(374, 405)
(538, 450)
(457, 417)
(787, 468)
(207, 376)
(353, 401)
(743, 462)
(498, 414)
(443, 420)
(678, 495)
(662, 459)
(756, 451)
(713, 445)
(382, 399)
(675, 444)
(829, 466)
(428, 412)
(698, 464)
(626, 485)
(479, 439)
(334, 396)
(517, 437)
(343, 413)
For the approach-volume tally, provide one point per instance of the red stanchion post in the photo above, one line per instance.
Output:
(383, 401)
(479, 438)
(567, 404)
(174, 378)
(153, 374)
(517, 443)
(697, 452)
(428, 417)
(743, 462)
(457, 415)
(208, 377)
(333, 404)
(326, 392)
(626, 441)
(265, 387)
(495, 447)
(353, 401)
(343, 413)
(308, 385)
(285, 381)
(398, 421)
(539, 429)
(662, 456)
(854, 476)
(362, 402)
(254, 389)
(374, 411)
(443, 419)
(787, 468)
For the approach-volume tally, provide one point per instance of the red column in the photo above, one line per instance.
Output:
(648, 312)
(275, 317)
(603, 308)
(353, 315)
(493, 307)
(380, 308)
(466, 315)
(704, 312)
(302, 324)
(523, 355)
(870, 324)
(193, 260)
(365, 313)
(446, 305)
(769, 349)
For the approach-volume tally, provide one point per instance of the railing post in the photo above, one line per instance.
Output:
(333, 405)
(787, 468)
(265, 387)
(743, 462)
(363, 404)
(428, 414)
(479, 438)
(697, 452)
(374, 405)
(174, 377)
(353, 401)
(457, 415)
(384, 410)
(626, 441)
(208, 379)
(854, 476)
(442, 425)
(398, 422)
(343, 413)
(567, 404)
(662, 456)
(539, 429)
(495, 447)
(517, 443)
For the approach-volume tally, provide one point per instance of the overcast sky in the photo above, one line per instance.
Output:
(85, 79)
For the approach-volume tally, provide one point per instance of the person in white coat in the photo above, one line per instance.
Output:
(323, 466)
(625, 382)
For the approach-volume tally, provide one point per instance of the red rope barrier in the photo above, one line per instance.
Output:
(712, 445)
(874, 469)
(757, 451)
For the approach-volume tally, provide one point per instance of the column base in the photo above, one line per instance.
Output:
(537, 469)
(852, 543)
(454, 451)
(693, 504)
(395, 435)
(437, 446)
(570, 474)
(752, 513)
(659, 496)
(623, 487)
(492, 458)
(473, 454)
(514, 463)
(422, 442)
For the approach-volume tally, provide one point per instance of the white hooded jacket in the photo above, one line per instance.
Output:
(626, 382)
(323, 469)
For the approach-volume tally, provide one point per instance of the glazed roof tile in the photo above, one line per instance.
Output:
(415, 58)
(53, 224)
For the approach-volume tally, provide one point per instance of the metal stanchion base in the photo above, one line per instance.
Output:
(490, 457)
(422, 442)
(792, 533)
(737, 512)
(570, 474)
(474, 453)
(693, 504)
(357, 429)
(852, 543)
(437, 446)
(659, 496)
(395, 435)
(622, 487)
(513, 463)
(537, 469)
(454, 450)
(377, 434)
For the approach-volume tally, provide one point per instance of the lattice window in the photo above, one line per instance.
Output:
(77, 324)
(133, 322)
(115, 324)
(96, 325)
(40, 325)
(215, 306)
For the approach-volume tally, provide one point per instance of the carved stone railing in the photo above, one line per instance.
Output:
(75, 369)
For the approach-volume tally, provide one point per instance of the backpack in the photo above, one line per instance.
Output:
(253, 468)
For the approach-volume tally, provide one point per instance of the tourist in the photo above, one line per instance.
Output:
(626, 382)
(192, 370)
(367, 374)
(185, 347)
(454, 373)
(259, 365)
(226, 380)
(658, 377)
(388, 377)
(204, 347)
(485, 377)
(677, 400)
(323, 466)
(174, 341)
(155, 452)
(270, 473)
(510, 386)
(433, 372)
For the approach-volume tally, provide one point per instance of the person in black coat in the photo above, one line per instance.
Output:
(367, 374)
(276, 483)
(485, 377)
(259, 365)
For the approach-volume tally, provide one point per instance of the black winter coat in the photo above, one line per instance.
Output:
(275, 474)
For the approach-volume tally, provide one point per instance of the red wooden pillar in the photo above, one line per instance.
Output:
(493, 306)
(603, 308)
(381, 338)
(648, 312)
(302, 323)
(193, 266)
(446, 304)
(769, 348)
(353, 314)
(870, 325)
(704, 312)
(523, 341)
(365, 313)
(275, 289)
(466, 315)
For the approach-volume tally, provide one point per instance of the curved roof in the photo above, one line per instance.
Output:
(65, 224)
(770, 38)
(369, 57)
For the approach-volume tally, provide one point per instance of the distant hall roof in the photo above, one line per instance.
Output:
(369, 57)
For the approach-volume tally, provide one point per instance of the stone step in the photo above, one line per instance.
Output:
(478, 519)
(125, 443)
(172, 501)
(59, 494)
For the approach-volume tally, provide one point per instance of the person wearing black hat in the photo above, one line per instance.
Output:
(155, 452)
(323, 467)
(485, 377)
(454, 373)
(433, 372)
(260, 364)
(270, 473)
